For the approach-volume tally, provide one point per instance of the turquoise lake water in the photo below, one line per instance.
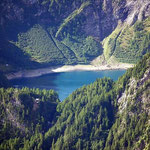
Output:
(66, 82)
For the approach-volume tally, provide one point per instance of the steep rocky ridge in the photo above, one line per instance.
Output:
(132, 125)
(72, 24)
(102, 16)
(117, 119)
(128, 43)
(103, 115)
(23, 113)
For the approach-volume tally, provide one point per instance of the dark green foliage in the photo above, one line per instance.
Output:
(138, 45)
(141, 67)
(134, 127)
(13, 59)
(128, 45)
(90, 118)
(57, 8)
(72, 17)
(40, 46)
(3, 81)
(84, 48)
(25, 115)
(137, 72)
(131, 127)
(85, 117)
(138, 27)
(43, 48)
(34, 46)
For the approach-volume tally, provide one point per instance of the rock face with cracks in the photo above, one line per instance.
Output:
(101, 16)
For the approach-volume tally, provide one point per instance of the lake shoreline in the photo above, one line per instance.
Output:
(65, 68)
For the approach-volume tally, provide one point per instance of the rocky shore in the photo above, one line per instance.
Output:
(66, 68)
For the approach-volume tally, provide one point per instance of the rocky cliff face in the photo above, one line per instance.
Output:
(132, 125)
(75, 30)
(106, 14)
(102, 16)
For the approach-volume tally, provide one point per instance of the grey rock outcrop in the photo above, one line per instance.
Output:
(102, 16)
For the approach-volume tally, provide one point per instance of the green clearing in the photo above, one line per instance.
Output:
(128, 44)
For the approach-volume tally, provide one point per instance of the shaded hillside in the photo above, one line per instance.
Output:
(3, 81)
(94, 17)
(102, 115)
(52, 32)
(128, 43)
(13, 59)
(106, 115)
(25, 115)
(131, 128)
(42, 47)
(85, 118)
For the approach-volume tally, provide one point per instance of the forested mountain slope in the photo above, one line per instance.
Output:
(128, 43)
(39, 33)
(106, 114)
(131, 128)
(103, 115)
(25, 114)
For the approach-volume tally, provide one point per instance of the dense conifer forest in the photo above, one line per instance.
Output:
(41, 33)
(102, 115)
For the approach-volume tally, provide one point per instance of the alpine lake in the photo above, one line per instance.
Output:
(65, 83)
